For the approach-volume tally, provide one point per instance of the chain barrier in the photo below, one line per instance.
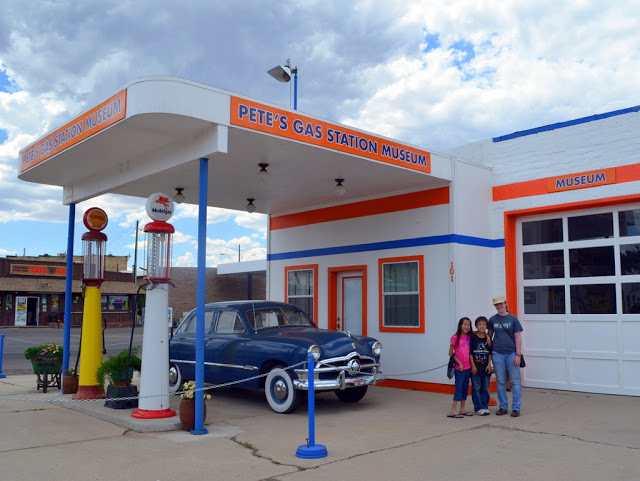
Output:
(129, 398)
(206, 388)
(414, 373)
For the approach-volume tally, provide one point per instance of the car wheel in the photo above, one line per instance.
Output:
(175, 378)
(279, 391)
(352, 395)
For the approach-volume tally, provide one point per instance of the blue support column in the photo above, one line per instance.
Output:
(68, 294)
(200, 295)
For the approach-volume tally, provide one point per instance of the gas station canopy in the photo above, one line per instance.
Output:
(150, 136)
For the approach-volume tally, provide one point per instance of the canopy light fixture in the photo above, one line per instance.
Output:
(250, 207)
(263, 174)
(339, 190)
(179, 197)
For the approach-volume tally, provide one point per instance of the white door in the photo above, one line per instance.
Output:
(21, 311)
(349, 305)
(579, 299)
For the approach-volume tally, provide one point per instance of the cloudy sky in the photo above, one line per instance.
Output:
(432, 73)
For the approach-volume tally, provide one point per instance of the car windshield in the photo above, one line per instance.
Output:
(275, 316)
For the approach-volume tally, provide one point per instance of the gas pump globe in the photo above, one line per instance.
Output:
(159, 236)
(154, 375)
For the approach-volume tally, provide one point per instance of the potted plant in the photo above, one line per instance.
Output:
(114, 370)
(187, 410)
(70, 381)
(46, 359)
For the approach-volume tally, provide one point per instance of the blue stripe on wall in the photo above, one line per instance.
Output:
(396, 244)
(568, 123)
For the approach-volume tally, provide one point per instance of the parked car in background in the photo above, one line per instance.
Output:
(244, 339)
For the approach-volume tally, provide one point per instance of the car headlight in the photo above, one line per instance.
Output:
(316, 351)
(376, 349)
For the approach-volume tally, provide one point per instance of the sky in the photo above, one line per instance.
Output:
(436, 74)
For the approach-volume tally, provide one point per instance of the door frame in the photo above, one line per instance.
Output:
(332, 319)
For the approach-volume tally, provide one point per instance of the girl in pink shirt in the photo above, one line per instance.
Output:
(459, 348)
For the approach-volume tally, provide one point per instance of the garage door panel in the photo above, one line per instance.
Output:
(631, 375)
(594, 336)
(545, 369)
(631, 337)
(547, 335)
(594, 372)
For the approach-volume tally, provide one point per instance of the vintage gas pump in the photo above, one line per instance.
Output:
(154, 375)
(93, 248)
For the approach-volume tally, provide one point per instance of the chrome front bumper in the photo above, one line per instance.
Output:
(348, 373)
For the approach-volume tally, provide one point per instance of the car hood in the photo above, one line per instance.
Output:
(332, 343)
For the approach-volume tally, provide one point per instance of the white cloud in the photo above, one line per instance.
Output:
(252, 221)
(436, 74)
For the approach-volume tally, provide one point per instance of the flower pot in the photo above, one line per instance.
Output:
(70, 384)
(187, 412)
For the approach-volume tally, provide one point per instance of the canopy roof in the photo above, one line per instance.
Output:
(150, 136)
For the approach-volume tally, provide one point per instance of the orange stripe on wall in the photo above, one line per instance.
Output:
(383, 205)
(625, 173)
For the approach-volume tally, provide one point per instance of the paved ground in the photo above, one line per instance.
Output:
(392, 434)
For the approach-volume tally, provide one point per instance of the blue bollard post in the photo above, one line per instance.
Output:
(311, 450)
(1, 354)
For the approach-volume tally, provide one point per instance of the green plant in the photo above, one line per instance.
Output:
(115, 367)
(44, 352)
(70, 372)
(189, 389)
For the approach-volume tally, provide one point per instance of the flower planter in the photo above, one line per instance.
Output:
(187, 412)
(70, 384)
(43, 368)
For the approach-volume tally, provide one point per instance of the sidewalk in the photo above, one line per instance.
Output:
(392, 434)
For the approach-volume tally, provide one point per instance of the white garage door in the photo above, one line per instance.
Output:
(579, 299)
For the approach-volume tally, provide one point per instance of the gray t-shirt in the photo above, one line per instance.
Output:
(502, 341)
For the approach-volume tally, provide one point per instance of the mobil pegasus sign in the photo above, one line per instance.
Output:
(284, 123)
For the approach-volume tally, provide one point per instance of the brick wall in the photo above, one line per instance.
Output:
(227, 287)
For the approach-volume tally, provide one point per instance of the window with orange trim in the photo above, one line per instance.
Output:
(301, 287)
(401, 294)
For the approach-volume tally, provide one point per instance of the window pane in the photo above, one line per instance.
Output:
(401, 277)
(543, 265)
(591, 262)
(593, 299)
(542, 232)
(305, 304)
(593, 226)
(402, 310)
(629, 222)
(544, 300)
(630, 259)
(631, 298)
(300, 283)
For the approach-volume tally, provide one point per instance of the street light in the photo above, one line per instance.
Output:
(282, 73)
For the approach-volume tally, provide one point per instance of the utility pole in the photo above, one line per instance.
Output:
(135, 257)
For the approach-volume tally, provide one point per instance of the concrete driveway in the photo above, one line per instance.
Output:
(391, 434)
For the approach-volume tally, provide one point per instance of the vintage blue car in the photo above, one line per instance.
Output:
(244, 339)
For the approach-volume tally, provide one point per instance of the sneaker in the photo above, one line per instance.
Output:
(485, 412)
(515, 414)
(480, 412)
(501, 412)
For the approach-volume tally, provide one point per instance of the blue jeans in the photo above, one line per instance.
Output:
(462, 385)
(503, 364)
(480, 393)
